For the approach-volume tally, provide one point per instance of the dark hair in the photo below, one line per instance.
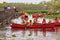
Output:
(30, 20)
(26, 16)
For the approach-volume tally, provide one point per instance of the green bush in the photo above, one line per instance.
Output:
(1, 6)
(36, 11)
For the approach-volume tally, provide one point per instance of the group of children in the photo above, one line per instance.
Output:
(25, 18)
(8, 8)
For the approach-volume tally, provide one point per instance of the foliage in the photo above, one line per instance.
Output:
(53, 16)
(36, 11)
(1, 6)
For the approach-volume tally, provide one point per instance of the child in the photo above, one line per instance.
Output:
(35, 21)
(56, 20)
(15, 9)
(49, 21)
(22, 13)
(30, 25)
(44, 21)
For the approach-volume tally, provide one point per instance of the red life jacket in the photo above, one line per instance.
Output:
(56, 20)
(35, 15)
(22, 13)
(44, 21)
(25, 18)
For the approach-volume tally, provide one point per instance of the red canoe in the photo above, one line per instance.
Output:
(51, 25)
(18, 26)
(38, 25)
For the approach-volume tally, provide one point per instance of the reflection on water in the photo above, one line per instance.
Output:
(19, 34)
(31, 34)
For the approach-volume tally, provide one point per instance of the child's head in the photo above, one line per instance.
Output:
(26, 16)
(30, 20)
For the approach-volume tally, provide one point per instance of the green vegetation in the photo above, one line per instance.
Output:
(36, 11)
(1, 6)
(52, 16)
(42, 7)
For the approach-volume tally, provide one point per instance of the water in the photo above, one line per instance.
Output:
(19, 34)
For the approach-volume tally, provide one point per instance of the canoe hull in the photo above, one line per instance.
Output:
(52, 25)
